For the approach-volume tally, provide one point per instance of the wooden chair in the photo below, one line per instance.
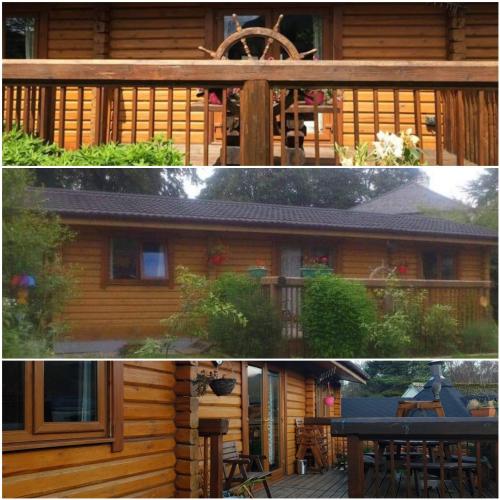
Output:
(311, 443)
(240, 468)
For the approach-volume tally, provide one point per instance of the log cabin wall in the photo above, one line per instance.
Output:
(354, 31)
(145, 466)
(120, 311)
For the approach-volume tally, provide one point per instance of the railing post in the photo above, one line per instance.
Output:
(47, 113)
(355, 469)
(255, 141)
(216, 467)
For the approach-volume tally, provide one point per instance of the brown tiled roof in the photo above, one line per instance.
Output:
(107, 205)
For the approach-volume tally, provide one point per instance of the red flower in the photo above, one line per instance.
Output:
(402, 269)
(217, 259)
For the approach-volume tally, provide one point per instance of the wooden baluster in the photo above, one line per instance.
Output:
(26, 105)
(482, 129)
(116, 114)
(316, 133)
(418, 122)
(426, 471)
(460, 469)
(98, 117)
(170, 112)
(439, 138)
(407, 469)
(9, 104)
(283, 126)
(355, 103)
(133, 136)
(188, 126)
(152, 109)
(397, 121)
(223, 155)
(206, 128)
(392, 468)
(441, 469)
(79, 117)
(33, 100)
(62, 116)
(335, 125)
(460, 128)
(19, 100)
(479, 469)
(271, 126)
(296, 143)
(376, 114)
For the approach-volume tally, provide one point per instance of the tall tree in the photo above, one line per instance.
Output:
(143, 180)
(319, 187)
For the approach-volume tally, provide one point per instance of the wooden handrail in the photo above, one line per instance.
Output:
(214, 429)
(421, 74)
(381, 283)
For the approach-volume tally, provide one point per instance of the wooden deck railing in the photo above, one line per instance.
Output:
(212, 431)
(406, 456)
(468, 299)
(256, 112)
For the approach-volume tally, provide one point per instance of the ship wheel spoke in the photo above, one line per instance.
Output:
(243, 40)
(270, 40)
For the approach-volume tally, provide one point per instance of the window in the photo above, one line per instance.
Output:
(138, 260)
(438, 265)
(305, 32)
(71, 400)
(19, 37)
(256, 45)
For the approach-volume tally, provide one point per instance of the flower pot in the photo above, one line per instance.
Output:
(257, 272)
(217, 260)
(311, 272)
(314, 97)
(329, 400)
(483, 412)
(213, 98)
(222, 386)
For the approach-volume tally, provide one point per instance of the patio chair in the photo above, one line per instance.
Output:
(243, 469)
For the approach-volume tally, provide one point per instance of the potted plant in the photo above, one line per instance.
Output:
(258, 271)
(220, 386)
(315, 266)
(476, 409)
(217, 254)
(312, 97)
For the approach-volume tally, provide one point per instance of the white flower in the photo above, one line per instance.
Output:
(388, 144)
(346, 162)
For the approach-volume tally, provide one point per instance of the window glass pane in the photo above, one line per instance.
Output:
(318, 255)
(13, 395)
(256, 45)
(19, 38)
(430, 265)
(255, 409)
(124, 259)
(304, 31)
(447, 267)
(70, 391)
(153, 261)
(274, 420)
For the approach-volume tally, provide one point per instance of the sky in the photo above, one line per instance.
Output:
(448, 181)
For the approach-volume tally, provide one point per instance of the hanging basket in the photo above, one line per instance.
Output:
(329, 400)
(222, 386)
(311, 272)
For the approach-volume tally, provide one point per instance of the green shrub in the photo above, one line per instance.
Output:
(261, 335)
(336, 317)
(152, 348)
(439, 331)
(480, 337)
(25, 150)
(391, 336)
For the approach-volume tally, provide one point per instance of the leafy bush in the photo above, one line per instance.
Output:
(391, 335)
(25, 150)
(439, 331)
(232, 312)
(153, 348)
(480, 337)
(31, 245)
(261, 335)
(336, 317)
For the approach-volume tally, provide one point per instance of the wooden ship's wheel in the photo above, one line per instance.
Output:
(241, 35)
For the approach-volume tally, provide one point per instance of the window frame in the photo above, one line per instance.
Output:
(440, 253)
(107, 256)
(333, 247)
(39, 434)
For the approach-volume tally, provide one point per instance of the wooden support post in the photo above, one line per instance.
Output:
(255, 123)
(47, 113)
(456, 35)
(186, 433)
(216, 467)
(356, 473)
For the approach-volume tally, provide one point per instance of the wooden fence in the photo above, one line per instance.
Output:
(469, 299)
(258, 112)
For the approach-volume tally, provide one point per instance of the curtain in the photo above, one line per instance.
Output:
(86, 393)
(29, 40)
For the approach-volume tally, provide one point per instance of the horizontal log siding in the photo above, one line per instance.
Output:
(145, 466)
(120, 311)
(295, 408)
(481, 31)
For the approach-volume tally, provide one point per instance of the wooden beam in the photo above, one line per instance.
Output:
(413, 74)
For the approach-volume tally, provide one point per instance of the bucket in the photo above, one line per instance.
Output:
(301, 466)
